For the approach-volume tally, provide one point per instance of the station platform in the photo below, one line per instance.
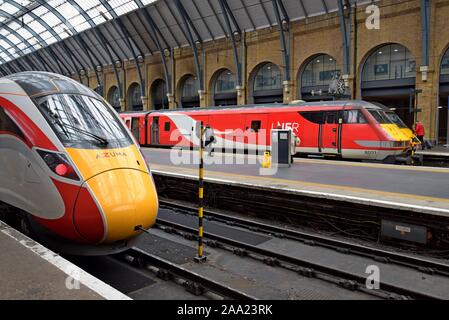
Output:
(418, 189)
(438, 151)
(29, 271)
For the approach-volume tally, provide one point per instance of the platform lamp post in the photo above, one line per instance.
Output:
(413, 108)
(201, 258)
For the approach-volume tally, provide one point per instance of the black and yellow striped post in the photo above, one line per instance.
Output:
(201, 257)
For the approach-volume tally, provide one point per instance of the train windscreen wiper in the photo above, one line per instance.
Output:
(103, 141)
(63, 126)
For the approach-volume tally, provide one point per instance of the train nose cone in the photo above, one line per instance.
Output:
(127, 198)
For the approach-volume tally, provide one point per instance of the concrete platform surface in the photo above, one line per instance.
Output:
(419, 189)
(438, 151)
(29, 271)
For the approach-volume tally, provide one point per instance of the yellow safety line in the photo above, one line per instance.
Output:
(315, 184)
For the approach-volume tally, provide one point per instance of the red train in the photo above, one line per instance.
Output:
(345, 129)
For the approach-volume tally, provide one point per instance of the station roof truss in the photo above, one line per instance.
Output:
(72, 36)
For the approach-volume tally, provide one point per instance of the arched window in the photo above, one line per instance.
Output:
(388, 77)
(268, 84)
(225, 93)
(114, 98)
(159, 94)
(189, 94)
(316, 77)
(445, 64)
(390, 62)
(134, 97)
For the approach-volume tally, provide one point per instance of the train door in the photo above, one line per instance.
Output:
(155, 131)
(256, 132)
(135, 128)
(329, 132)
(167, 127)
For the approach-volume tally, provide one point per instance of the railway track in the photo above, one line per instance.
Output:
(350, 280)
(193, 282)
(381, 255)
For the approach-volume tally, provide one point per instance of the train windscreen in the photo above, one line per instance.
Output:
(396, 119)
(380, 116)
(83, 122)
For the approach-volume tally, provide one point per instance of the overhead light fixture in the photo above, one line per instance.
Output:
(285, 25)
(118, 64)
(380, 52)
(140, 59)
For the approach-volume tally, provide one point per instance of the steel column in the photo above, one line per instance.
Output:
(199, 72)
(238, 65)
(425, 28)
(284, 48)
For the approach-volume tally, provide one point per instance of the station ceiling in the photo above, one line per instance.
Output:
(67, 36)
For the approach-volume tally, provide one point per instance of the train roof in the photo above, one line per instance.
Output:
(337, 103)
(37, 84)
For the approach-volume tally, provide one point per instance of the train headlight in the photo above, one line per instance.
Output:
(58, 163)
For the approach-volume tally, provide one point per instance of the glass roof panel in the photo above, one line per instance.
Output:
(49, 19)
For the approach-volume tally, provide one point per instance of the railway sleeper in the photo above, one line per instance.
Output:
(195, 288)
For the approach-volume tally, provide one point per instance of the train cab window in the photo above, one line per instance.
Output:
(380, 116)
(256, 125)
(7, 125)
(313, 116)
(395, 119)
(353, 117)
(167, 126)
(83, 122)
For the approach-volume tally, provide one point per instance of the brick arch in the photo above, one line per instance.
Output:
(214, 76)
(440, 60)
(151, 86)
(305, 63)
(252, 76)
(181, 82)
(127, 97)
(365, 57)
(108, 90)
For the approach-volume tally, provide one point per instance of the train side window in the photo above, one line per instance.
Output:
(353, 117)
(256, 125)
(313, 116)
(167, 126)
(7, 125)
(331, 117)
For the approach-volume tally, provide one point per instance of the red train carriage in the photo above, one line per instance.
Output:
(346, 129)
